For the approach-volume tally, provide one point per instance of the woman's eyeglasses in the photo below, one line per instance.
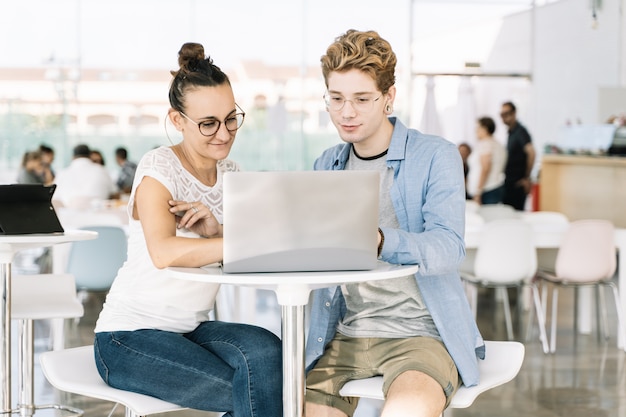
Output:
(211, 126)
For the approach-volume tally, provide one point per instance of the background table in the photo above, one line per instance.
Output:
(292, 290)
(9, 245)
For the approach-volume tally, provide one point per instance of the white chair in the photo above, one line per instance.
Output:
(490, 212)
(74, 371)
(546, 220)
(502, 363)
(586, 257)
(506, 258)
(37, 297)
(471, 206)
(473, 221)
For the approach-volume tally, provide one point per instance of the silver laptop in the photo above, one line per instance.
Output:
(283, 221)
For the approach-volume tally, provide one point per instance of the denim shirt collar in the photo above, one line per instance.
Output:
(397, 146)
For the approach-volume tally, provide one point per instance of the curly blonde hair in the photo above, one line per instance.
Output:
(365, 51)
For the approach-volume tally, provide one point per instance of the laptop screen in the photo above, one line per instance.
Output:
(300, 221)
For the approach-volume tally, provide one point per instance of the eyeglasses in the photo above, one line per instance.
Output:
(336, 102)
(210, 127)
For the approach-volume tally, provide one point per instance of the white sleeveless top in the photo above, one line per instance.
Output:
(143, 296)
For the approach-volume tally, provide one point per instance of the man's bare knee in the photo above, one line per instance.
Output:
(414, 393)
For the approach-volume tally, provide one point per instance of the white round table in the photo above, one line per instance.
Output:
(9, 246)
(292, 290)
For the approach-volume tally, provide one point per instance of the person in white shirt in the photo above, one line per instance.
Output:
(485, 181)
(83, 181)
(155, 334)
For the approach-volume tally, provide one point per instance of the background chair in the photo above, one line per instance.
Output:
(473, 221)
(586, 258)
(94, 263)
(503, 361)
(490, 212)
(546, 220)
(74, 371)
(36, 297)
(506, 258)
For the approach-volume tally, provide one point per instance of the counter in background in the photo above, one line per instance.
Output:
(584, 187)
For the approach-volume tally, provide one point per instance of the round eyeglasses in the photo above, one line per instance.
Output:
(336, 102)
(211, 126)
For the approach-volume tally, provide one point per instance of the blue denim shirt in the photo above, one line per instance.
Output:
(428, 196)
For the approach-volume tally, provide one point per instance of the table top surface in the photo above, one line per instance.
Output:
(546, 236)
(67, 236)
(9, 244)
(214, 273)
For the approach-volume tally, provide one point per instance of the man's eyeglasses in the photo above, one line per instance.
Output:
(211, 126)
(336, 102)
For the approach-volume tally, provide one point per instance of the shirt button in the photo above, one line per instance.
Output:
(319, 339)
(327, 304)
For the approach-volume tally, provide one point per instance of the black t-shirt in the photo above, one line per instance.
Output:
(516, 162)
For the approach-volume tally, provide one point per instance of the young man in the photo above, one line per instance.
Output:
(520, 161)
(417, 331)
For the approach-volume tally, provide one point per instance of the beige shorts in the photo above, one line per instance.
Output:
(348, 358)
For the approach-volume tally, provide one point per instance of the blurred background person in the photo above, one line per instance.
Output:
(32, 169)
(83, 181)
(47, 158)
(485, 181)
(520, 159)
(96, 157)
(127, 170)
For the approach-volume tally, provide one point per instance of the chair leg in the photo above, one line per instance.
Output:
(507, 311)
(618, 310)
(57, 334)
(541, 319)
(576, 327)
(602, 315)
(555, 301)
(25, 357)
(531, 317)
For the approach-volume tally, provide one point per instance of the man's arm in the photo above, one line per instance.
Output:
(529, 149)
(525, 182)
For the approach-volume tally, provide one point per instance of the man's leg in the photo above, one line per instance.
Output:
(317, 410)
(413, 394)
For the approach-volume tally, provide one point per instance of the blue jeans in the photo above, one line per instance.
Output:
(492, 196)
(223, 367)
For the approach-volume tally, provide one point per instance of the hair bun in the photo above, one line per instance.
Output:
(190, 55)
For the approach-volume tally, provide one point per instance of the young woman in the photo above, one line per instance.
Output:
(154, 335)
(485, 182)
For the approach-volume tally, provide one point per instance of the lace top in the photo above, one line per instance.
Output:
(144, 296)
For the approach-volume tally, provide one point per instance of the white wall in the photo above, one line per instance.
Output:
(572, 64)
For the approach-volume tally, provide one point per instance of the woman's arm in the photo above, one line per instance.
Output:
(152, 209)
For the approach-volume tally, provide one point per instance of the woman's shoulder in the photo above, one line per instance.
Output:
(163, 155)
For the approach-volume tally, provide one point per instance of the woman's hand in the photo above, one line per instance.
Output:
(196, 217)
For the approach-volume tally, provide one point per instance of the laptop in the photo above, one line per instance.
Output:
(288, 221)
(27, 208)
